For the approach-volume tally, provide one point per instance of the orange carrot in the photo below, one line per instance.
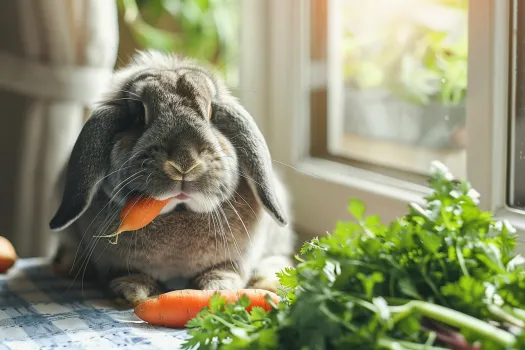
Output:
(175, 309)
(7, 255)
(137, 213)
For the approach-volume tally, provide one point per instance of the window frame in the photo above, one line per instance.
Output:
(490, 105)
(275, 52)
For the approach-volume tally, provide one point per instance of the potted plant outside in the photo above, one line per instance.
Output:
(405, 71)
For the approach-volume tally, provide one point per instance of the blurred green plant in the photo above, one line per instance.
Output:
(430, 66)
(202, 29)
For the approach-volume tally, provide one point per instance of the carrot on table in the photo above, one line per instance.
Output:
(136, 214)
(175, 309)
(8, 255)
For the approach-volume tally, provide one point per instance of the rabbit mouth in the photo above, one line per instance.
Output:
(177, 196)
(174, 205)
(182, 196)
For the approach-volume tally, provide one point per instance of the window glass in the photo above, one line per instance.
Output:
(388, 83)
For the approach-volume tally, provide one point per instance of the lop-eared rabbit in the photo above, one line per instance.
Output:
(170, 129)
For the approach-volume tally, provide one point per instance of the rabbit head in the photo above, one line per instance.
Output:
(168, 129)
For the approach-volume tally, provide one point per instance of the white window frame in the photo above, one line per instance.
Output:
(274, 81)
(490, 106)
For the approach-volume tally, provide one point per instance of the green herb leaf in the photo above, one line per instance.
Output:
(357, 208)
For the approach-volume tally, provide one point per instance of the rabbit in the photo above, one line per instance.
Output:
(169, 128)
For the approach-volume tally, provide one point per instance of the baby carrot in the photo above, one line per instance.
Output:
(137, 213)
(7, 255)
(175, 309)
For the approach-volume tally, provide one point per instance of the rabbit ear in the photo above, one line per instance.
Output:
(88, 163)
(234, 122)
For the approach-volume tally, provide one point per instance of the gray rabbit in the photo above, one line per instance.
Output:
(170, 129)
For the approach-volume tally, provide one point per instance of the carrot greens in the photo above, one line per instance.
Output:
(444, 276)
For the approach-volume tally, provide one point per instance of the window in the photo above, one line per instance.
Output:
(389, 83)
(347, 113)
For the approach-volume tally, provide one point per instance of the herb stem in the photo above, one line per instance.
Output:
(505, 316)
(393, 344)
(461, 260)
(516, 312)
(454, 318)
(432, 285)
(396, 300)
(231, 325)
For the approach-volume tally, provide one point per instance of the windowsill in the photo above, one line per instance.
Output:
(362, 179)
(324, 188)
(516, 220)
(362, 184)
(411, 158)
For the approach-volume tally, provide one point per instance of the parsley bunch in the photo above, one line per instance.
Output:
(442, 277)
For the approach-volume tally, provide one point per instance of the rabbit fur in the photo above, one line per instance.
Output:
(169, 125)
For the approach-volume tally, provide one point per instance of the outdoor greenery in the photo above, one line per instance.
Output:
(417, 50)
(203, 29)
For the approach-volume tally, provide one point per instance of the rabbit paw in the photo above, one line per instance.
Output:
(134, 289)
(269, 284)
(217, 279)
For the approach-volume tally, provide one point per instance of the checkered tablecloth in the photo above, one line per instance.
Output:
(41, 311)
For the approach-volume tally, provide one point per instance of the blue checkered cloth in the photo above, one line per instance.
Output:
(41, 311)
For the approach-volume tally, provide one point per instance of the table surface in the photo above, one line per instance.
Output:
(41, 311)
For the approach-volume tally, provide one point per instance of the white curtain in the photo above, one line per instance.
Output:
(56, 58)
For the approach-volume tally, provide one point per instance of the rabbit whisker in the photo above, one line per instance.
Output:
(218, 225)
(242, 222)
(221, 210)
(214, 236)
(225, 238)
(112, 213)
(92, 221)
(218, 230)
(87, 229)
(299, 170)
(250, 179)
(88, 251)
(132, 177)
(111, 173)
(242, 174)
(95, 239)
(212, 221)
(102, 253)
(130, 158)
(248, 204)
(105, 225)
(145, 161)
(273, 160)
(209, 210)
(148, 178)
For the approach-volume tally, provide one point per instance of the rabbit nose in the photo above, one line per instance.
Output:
(179, 171)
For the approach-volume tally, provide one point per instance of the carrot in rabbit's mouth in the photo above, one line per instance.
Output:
(137, 213)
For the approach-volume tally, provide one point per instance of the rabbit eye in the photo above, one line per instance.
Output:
(142, 113)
